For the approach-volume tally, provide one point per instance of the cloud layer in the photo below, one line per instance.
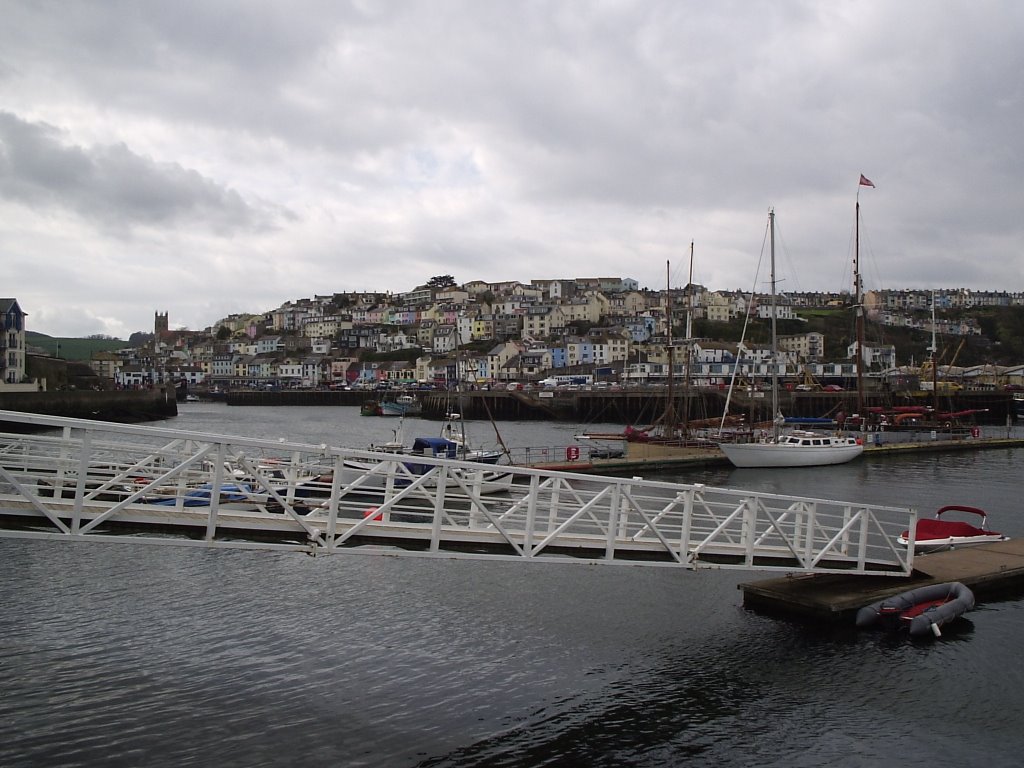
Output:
(206, 158)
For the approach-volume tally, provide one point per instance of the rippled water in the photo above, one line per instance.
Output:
(151, 656)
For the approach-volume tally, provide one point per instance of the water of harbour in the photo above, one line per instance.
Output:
(121, 655)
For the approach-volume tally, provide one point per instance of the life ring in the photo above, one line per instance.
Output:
(572, 453)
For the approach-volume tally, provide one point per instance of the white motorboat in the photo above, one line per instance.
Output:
(375, 476)
(794, 449)
(941, 533)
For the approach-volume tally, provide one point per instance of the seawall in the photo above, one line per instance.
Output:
(629, 406)
(124, 406)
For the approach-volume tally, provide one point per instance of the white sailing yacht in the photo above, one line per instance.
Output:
(796, 448)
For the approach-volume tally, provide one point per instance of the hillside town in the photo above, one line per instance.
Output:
(484, 334)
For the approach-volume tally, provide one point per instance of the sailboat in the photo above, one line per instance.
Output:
(790, 449)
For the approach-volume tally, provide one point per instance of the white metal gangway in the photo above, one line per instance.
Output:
(79, 480)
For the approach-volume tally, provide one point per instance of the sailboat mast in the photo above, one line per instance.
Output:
(774, 350)
(689, 350)
(934, 348)
(669, 428)
(858, 304)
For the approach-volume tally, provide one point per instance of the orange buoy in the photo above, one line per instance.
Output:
(372, 512)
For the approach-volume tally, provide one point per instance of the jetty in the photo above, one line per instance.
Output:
(990, 570)
(87, 481)
(76, 480)
(638, 457)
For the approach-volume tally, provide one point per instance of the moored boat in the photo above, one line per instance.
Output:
(403, 405)
(794, 449)
(937, 534)
(920, 611)
(236, 496)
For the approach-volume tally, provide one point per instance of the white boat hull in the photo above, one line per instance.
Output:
(370, 476)
(950, 542)
(804, 453)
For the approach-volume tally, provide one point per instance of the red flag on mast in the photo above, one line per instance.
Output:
(865, 181)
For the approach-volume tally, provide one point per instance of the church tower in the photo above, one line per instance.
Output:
(160, 325)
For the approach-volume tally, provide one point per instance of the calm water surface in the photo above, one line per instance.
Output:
(165, 656)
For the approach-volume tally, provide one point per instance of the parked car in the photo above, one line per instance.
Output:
(832, 388)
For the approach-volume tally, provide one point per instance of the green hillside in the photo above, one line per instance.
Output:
(71, 349)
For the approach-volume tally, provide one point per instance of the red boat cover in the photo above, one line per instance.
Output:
(942, 529)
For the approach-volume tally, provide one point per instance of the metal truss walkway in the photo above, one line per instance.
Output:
(77, 480)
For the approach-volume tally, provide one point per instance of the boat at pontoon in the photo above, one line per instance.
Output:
(940, 533)
(375, 475)
(919, 611)
(794, 449)
(798, 448)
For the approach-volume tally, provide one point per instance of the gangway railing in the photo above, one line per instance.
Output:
(80, 480)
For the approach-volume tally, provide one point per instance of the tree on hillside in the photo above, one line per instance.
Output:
(441, 281)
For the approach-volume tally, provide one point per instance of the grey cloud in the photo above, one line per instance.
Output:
(111, 184)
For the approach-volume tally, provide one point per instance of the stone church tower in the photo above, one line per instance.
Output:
(161, 326)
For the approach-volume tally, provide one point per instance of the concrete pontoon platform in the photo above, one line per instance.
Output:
(651, 457)
(988, 569)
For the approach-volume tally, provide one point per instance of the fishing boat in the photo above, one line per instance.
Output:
(799, 448)
(919, 611)
(938, 533)
(370, 408)
(454, 433)
(403, 405)
(371, 474)
(452, 443)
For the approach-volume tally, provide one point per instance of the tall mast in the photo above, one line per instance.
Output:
(934, 348)
(689, 350)
(670, 408)
(772, 361)
(858, 310)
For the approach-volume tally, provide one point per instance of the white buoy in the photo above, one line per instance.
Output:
(935, 630)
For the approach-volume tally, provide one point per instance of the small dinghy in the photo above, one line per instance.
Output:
(919, 611)
(938, 533)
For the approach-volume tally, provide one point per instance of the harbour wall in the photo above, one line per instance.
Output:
(632, 406)
(123, 406)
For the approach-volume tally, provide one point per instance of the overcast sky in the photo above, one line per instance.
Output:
(205, 158)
